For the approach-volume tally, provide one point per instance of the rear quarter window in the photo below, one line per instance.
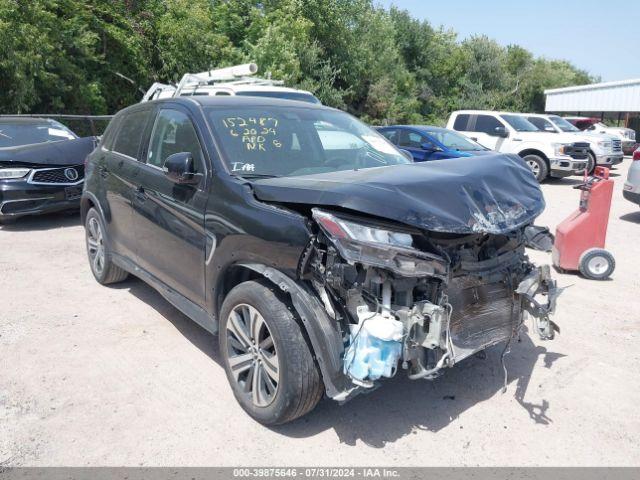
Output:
(132, 127)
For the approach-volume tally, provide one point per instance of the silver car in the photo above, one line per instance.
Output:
(632, 186)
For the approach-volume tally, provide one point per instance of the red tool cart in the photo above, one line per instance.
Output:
(579, 242)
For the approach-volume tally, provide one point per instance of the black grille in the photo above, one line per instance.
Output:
(579, 151)
(57, 175)
(21, 206)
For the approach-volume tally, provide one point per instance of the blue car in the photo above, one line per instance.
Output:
(432, 143)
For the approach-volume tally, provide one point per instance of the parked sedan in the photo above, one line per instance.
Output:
(432, 143)
(41, 166)
(631, 189)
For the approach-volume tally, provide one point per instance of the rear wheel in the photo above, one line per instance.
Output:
(538, 166)
(102, 267)
(266, 358)
(597, 264)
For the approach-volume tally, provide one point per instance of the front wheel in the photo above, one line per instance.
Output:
(596, 264)
(538, 166)
(266, 358)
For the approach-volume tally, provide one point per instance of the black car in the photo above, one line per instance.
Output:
(41, 166)
(325, 259)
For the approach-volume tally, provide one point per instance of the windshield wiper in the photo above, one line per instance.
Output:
(247, 176)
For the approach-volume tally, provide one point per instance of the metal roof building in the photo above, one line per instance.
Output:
(622, 96)
(615, 102)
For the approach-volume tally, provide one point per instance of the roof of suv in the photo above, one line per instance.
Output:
(206, 100)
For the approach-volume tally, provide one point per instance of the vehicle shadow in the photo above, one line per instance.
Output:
(633, 217)
(43, 222)
(198, 336)
(400, 406)
(563, 181)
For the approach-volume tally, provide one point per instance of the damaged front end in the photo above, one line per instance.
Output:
(421, 300)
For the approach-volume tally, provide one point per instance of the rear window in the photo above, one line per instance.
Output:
(461, 122)
(17, 134)
(132, 127)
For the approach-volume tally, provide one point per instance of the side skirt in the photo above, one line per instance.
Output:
(193, 311)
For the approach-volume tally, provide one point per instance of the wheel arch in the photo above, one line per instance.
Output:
(534, 151)
(325, 339)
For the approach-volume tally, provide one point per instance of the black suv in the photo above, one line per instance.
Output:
(324, 258)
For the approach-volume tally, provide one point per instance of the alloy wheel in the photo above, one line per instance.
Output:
(252, 354)
(95, 246)
(535, 168)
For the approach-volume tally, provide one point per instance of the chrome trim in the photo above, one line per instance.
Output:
(21, 200)
(35, 170)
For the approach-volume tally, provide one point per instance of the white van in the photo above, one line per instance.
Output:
(547, 154)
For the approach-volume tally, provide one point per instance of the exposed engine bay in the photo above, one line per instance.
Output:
(424, 301)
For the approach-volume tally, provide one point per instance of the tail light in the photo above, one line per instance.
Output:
(636, 154)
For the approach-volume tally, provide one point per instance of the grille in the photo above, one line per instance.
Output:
(56, 175)
(616, 145)
(579, 151)
(483, 314)
(21, 206)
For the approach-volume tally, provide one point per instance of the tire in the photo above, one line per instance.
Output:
(596, 264)
(295, 386)
(591, 163)
(104, 270)
(538, 166)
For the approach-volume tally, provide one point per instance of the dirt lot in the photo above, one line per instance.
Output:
(91, 375)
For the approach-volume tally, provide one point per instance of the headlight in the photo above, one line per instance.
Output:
(604, 145)
(7, 173)
(378, 247)
(340, 228)
(561, 148)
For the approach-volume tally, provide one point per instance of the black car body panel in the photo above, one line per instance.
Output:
(194, 242)
(54, 179)
(63, 152)
(456, 195)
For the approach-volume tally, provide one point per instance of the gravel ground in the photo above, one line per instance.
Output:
(91, 375)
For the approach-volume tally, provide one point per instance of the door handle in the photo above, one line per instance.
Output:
(140, 194)
(103, 172)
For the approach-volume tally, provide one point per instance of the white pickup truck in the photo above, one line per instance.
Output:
(547, 154)
(589, 124)
(604, 149)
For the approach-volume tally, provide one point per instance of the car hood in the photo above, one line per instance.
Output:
(497, 194)
(63, 152)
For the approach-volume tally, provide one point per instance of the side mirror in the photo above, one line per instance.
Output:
(430, 147)
(500, 132)
(406, 154)
(179, 168)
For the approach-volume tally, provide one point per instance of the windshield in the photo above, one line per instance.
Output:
(17, 134)
(454, 141)
(520, 124)
(286, 141)
(563, 125)
(299, 96)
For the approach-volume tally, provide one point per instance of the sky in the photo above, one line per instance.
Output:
(601, 37)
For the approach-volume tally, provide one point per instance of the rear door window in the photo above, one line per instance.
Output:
(411, 139)
(132, 127)
(391, 135)
(486, 124)
(461, 122)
